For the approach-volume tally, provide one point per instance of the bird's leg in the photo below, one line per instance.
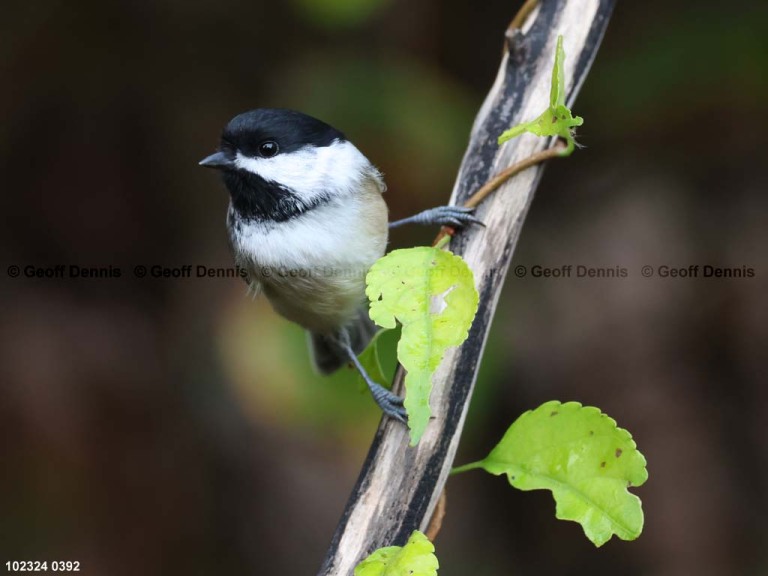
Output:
(454, 216)
(389, 402)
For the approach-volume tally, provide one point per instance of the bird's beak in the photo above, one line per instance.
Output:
(219, 160)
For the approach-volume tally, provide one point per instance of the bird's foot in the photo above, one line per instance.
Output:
(454, 216)
(389, 402)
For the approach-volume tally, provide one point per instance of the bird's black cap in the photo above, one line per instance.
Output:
(290, 129)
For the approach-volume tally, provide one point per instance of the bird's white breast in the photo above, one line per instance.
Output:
(343, 232)
(312, 267)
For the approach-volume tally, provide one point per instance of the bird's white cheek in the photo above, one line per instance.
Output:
(312, 171)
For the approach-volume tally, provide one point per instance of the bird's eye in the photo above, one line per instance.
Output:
(268, 148)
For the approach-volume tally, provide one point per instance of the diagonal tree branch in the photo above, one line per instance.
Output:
(399, 485)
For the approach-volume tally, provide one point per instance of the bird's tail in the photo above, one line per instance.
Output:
(328, 355)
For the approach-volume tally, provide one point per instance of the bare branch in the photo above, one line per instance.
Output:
(400, 486)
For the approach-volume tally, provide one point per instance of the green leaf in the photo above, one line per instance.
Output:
(416, 558)
(557, 91)
(369, 358)
(557, 119)
(432, 294)
(584, 458)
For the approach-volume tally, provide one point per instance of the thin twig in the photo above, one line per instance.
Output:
(522, 14)
(516, 168)
(437, 516)
(500, 178)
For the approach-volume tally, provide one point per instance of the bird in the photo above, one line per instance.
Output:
(306, 221)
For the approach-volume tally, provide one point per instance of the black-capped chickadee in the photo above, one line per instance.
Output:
(307, 220)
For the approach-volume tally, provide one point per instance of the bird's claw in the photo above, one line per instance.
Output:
(390, 403)
(454, 216)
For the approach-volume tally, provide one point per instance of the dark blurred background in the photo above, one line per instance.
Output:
(174, 426)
